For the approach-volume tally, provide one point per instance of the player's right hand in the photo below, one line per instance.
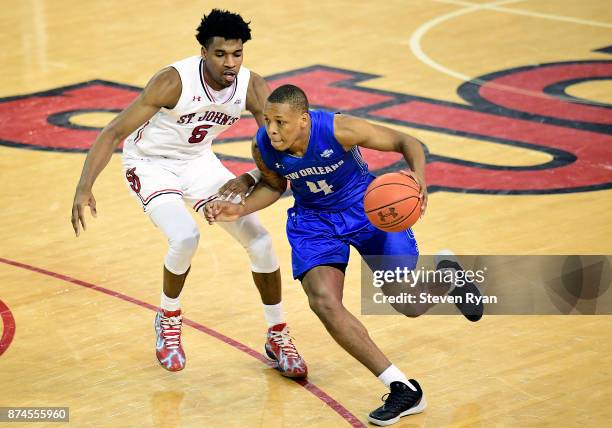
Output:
(218, 210)
(421, 182)
(82, 198)
(238, 186)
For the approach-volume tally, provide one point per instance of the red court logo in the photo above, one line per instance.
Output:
(8, 327)
(536, 114)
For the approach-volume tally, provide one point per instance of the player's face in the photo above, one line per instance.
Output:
(223, 60)
(286, 126)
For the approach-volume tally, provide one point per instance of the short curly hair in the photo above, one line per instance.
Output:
(222, 23)
(292, 95)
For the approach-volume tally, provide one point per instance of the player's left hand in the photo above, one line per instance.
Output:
(219, 210)
(422, 184)
(238, 186)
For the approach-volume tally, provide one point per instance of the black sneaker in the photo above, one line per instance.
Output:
(401, 401)
(471, 310)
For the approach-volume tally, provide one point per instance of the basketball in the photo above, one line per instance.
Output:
(392, 202)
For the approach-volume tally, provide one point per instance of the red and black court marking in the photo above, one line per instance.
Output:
(518, 107)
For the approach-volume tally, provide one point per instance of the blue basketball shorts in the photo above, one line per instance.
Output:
(323, 238)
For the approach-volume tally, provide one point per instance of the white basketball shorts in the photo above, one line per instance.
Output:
(153, 180)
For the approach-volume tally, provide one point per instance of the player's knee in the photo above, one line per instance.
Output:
(262, 243)
(326, 307)
(182, 249)
(186, 243)
(261, 253)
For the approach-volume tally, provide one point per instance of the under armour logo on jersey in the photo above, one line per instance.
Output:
(278, 165)
(197, 98)
(238, 101)
(327, 153)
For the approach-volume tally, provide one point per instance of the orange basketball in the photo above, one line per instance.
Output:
(392, 202)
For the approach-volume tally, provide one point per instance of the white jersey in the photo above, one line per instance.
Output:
(200, 115)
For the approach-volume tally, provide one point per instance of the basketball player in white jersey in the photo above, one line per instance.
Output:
(168, 162)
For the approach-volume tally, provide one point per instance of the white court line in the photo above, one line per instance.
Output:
(417, 36)
(415, 39)
(532, 14)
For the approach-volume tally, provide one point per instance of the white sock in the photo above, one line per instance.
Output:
(170, 304)
(393, 374)
(274, 314)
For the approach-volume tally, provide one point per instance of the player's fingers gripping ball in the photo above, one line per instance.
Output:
(392, 202)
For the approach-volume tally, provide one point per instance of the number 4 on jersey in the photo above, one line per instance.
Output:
(323, 187)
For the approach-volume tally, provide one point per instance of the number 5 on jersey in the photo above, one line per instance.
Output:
(323, 187)
(198, 134)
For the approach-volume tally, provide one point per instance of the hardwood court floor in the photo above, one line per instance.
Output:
(82, 308)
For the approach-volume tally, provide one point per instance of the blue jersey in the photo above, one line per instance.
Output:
(327, 177)
(328, 184)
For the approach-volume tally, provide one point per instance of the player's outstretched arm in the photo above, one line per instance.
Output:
(257, 93)
(267, 191)
(351, 131)
(163, 90)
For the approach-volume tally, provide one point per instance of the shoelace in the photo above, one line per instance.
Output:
(283, 340)
(171, 330)
(397, 400)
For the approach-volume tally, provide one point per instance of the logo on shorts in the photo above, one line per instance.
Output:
(133, 179)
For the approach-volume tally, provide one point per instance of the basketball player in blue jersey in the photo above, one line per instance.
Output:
(318, 152)
(168, 161)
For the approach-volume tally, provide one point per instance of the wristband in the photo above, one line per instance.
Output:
(255, 175)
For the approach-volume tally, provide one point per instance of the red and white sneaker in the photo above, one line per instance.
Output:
(169, 350)
(281, 349)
